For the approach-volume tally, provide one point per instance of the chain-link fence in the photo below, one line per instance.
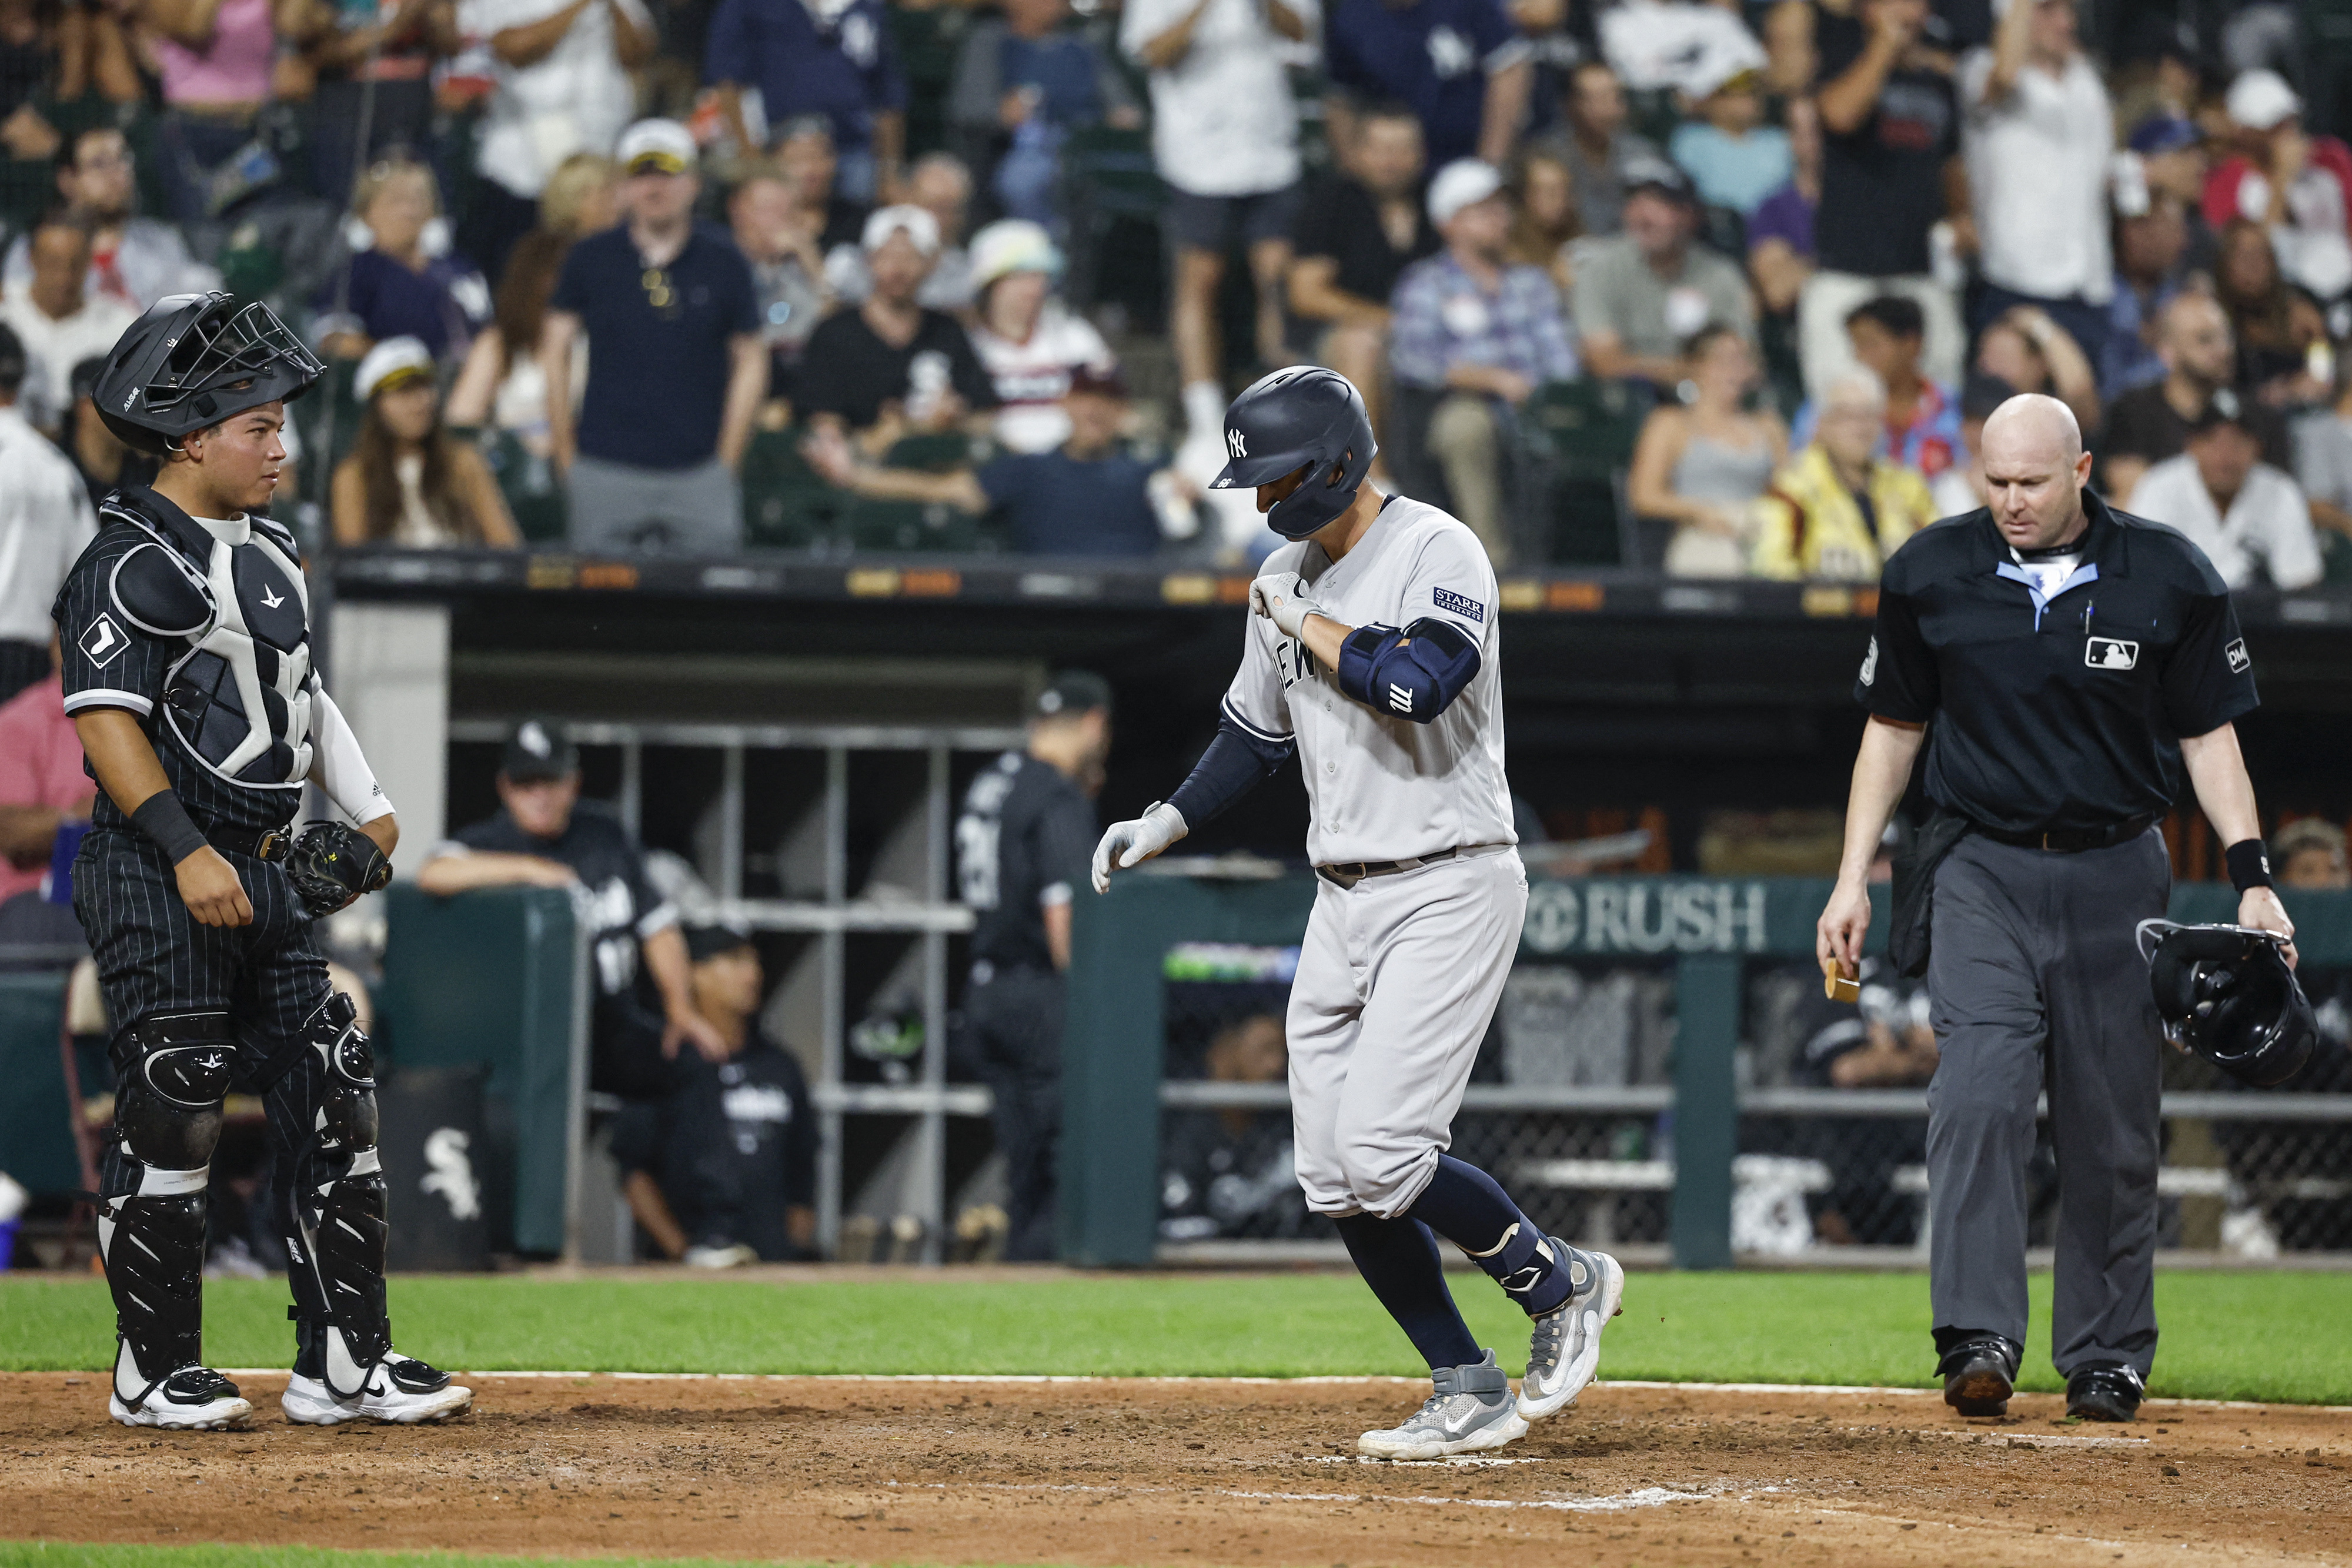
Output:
(1570, 1105)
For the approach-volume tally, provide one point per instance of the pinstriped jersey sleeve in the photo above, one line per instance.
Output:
(106, 661)
(1258, 700)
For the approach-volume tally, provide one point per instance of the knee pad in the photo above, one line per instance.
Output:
(173, 1073)
(329, 1196)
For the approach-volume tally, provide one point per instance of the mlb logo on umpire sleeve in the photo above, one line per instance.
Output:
(2238, 657)
(1455, 604)
(2111, 654)
(102, 640)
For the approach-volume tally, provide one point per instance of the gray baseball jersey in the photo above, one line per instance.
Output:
(1380, 787)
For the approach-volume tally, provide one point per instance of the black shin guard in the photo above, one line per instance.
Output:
(173, 1073)
(328, 1197)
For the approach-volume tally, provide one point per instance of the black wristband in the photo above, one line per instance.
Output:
(162, 818)
(2248, 864)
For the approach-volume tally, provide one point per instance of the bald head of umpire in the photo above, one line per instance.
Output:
(2063, 666)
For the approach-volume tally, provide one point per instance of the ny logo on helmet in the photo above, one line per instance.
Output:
(1240, 445)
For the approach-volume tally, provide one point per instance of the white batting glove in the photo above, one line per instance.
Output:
(1281, 598)
(1131, 843)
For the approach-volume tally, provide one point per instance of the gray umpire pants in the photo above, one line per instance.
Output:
(2036, 982)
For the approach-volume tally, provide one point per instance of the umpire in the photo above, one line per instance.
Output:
(2063, 664)
(1024, 843)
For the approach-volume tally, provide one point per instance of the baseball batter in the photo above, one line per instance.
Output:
(1372, 652)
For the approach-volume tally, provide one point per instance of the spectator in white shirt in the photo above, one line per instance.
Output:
(1029, 343)
(57, 318)
(2247, 518)
(1225, 137)
(564, 89)
(133, 261)
(2039, 138)
(46, 521)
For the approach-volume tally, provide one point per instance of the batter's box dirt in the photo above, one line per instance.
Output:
(1136, 1473)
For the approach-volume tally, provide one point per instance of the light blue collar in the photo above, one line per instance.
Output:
(2087, 572)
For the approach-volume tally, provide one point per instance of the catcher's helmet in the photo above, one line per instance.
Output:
(2226, 992)
(192, 361)
(1290, 420)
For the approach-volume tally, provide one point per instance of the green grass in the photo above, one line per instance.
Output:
(2281, 1337)
(62, 1555)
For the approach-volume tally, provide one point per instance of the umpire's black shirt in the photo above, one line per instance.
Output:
(2063, 712)
(1025, 839)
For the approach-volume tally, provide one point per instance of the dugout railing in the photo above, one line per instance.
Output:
(1687, 1157)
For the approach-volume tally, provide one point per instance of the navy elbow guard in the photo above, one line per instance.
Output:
(1412, 673)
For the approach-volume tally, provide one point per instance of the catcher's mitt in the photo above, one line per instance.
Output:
(330, 864)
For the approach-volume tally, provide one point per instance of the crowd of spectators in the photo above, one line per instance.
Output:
(635, 241)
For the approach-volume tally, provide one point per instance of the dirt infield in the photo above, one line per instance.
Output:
(1134, 1473)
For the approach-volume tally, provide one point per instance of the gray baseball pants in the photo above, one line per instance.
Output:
(2036, 982)
(676, 511)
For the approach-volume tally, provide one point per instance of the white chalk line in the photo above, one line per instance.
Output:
(1644, 1497)
(1790, 1389)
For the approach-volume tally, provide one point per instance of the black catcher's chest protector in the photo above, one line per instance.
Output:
(237, 701)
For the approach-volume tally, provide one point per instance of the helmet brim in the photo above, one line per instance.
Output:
(1249, 473)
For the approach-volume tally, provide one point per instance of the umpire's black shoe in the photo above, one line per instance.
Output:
(1979, 1374)
(2105, 1393)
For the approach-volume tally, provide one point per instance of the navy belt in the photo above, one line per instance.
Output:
(262, 843)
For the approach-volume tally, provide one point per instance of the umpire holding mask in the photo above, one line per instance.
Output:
(2063, 664)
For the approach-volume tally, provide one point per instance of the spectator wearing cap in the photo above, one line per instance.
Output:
(833, 59)
(2040, 139)
(1022, 83)
(1085, 497)
(400, 281)
(1224, 135)
(2309, 853)
(1461, 65)
(1030, 342)
(2151, 270)
(1838, 511)
(1593, 141)
(942, 186)
(133, 261)
(1890, 173)
(889, 365)
(1357, 234)
(2165, 156)
(1780, 256)
(1923, 420)
(98, 455)
(58, 321)
(2151, 424)
(1733, 158)
(545, 835)
(1961, 487)
(1642, 294)
(676, 365)
(564, 89)
(2295, 186)
(2247, 518)
(45, 520)
(721, 1170)
(1024, 838)
(1480, 333)
(407, 482)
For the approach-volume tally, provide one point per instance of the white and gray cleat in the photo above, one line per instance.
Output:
(192, 1399)
(1564, 1351)
(1470, 1411)
(399, 1389)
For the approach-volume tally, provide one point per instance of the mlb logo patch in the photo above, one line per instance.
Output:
(1454, 604)
(2238, 657)
(102, 640)
(2111, 654)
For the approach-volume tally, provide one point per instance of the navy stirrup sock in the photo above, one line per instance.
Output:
(1400, 1260)
(1470, 1208)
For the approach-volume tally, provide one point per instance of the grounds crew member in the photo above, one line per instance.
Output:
(186, 663)
(1022, 845)
(2075, 660)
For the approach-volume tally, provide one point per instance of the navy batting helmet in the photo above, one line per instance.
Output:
(2226, 992)
(1299, 418)
(192, 361)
